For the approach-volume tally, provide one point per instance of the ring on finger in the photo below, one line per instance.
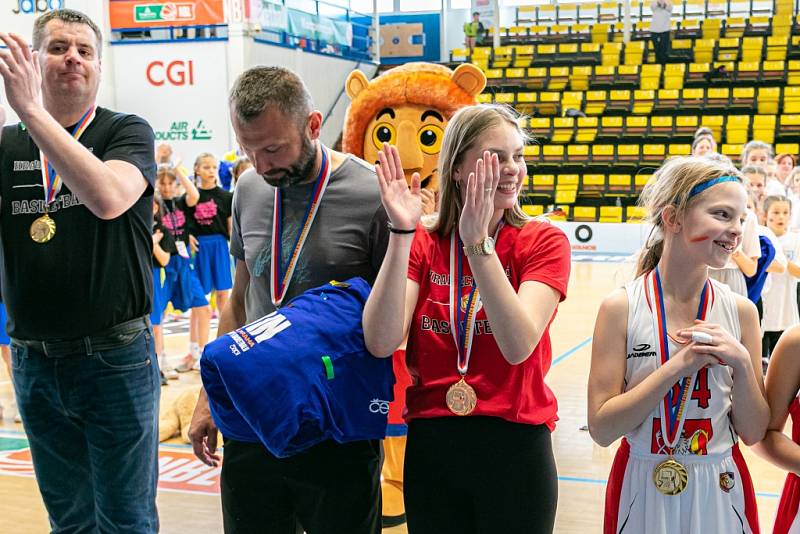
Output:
(488, 190)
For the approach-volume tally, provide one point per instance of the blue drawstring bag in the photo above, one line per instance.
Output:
(300, 375)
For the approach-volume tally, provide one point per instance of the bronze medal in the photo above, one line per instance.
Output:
(461, 398)
(43, 229)
(670, 477)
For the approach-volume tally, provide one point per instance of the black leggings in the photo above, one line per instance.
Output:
(479, 475)
(768, 343)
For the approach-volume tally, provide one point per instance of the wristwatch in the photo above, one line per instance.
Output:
(483, 248)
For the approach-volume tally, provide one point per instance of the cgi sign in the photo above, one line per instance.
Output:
(176, 73)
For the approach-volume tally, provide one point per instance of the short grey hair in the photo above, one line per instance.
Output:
(69, 16)
(259, 87)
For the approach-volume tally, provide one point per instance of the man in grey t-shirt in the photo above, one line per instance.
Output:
(331, 487)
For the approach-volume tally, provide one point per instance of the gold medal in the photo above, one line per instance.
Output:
(43, 229)
(461, 398)
(670, 477)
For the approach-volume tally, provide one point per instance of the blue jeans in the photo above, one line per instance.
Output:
(92, 423)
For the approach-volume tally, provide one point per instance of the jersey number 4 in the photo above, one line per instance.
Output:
(700, 392)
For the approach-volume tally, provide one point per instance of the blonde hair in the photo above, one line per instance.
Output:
(671, 186)
(462, 132)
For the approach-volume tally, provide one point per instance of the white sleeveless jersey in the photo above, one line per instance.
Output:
(708, 428)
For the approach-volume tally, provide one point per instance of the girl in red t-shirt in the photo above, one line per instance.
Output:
(475, 294)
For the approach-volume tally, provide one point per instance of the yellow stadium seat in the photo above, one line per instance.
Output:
(628, 155)
(793, 72)
(737, 129)
(650, 77)
(661, 127)
(718, 98)
(743, 98)
(553, 154)
(773, 72)
(777, 47)
(493, 74)
(643, 102)
(592, 185)
(764, 128)
(790, 125)
(686, 125)
(595, 102)
(502, 57)
(577, 154)
(678, 150)
(611, 53)
(619, 185)
(459, 54)
(752, 48)
(559, 78)
(734, 152)
(611, 214)
(505, 98)
(787, 148)
(791, 99)
(611, 127)
(514, 73)
(715, 122)
(532, 153)
(537, 78)
(667, 100)
(768, 100)
(728, 49)
(674, 74)
(579, 78)
(525, 101)
(693, 99)
(563, 130)
(703, 50)
(619, 101)
(635, 214)
(636, 126)
(541, 128)
(587, 130)
(641, 180)
(523, 55)
(584, 213)
(534, 210)
(602, 154)
(653, 154)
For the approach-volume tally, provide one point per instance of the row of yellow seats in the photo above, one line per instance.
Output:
(687, 11)
(611, 214)
(649, 76)
(650, 155)
(766, 100)
(749, 49)
(731, 129)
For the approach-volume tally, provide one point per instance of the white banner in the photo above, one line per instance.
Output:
(617, 239)
(182, 91)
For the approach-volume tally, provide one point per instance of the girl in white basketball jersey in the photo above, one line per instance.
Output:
(676, 366)
(783, 392)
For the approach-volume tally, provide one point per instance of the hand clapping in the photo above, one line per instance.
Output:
(403, 204)
(479, 207)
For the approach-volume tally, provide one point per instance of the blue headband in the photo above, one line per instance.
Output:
(699, 188)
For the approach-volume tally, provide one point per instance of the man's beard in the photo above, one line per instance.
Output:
(298, 172)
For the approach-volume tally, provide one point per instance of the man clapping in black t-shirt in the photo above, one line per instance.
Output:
(75, 220)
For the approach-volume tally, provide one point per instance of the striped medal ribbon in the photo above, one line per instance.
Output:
(461, 398)
(281, 275)
(670, 477)
(43, 228)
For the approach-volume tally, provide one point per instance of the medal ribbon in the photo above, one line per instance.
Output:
(281, 275)
(462, 323)
(672, 410)
(50, 178)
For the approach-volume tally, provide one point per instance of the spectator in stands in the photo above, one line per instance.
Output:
(786, 164)
(794, 198)
(704, 142)
(660, 27)
(473, 31)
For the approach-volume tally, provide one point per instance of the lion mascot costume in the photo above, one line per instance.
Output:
(407, 106)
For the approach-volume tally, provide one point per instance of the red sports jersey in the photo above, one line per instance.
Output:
(538, 252)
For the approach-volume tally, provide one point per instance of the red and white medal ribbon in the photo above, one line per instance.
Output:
(51, 180)
(673, 412)
(281, 275)
(462, 321)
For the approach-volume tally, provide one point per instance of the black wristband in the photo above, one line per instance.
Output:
(394, 230)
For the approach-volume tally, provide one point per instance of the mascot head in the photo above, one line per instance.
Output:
(408, 106)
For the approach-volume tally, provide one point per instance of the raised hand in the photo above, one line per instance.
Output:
(19, 68)
(479, 200)
(403, 204)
